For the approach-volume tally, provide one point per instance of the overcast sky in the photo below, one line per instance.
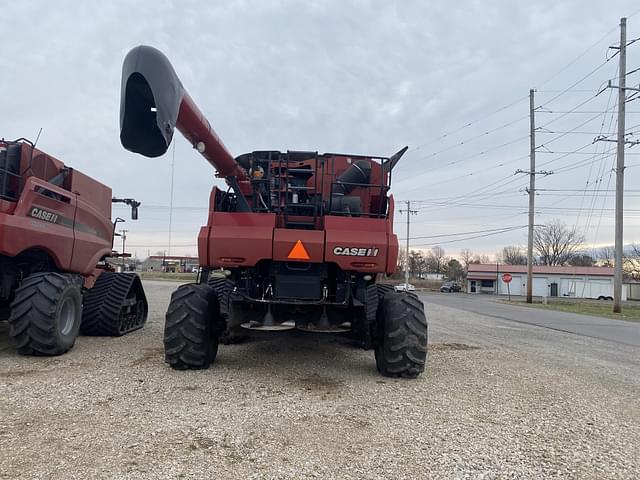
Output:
(338, 76)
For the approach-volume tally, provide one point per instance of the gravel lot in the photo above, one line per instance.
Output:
(499, 400)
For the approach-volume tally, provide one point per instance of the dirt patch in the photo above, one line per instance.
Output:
(149, 355)
(319, 384)
(22, 373)
(452, 346)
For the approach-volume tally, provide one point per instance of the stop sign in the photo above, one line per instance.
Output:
(506, 277)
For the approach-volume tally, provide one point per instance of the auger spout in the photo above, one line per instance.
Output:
(154, 102)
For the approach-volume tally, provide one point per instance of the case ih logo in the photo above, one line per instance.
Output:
(44, 215)
(356, 252)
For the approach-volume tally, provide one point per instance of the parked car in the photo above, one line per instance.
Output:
(404, 287)
(450, 287)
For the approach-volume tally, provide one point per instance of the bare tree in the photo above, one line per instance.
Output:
(417, 264)
(556, 243)
(436, 260)
(466, 256)
(481, 259)
(631, 265)
(582, 260)
(606, 256)
(513, 255)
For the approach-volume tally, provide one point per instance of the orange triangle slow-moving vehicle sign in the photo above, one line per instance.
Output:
(298, 252)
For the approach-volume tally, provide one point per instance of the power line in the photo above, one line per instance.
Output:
(594, 196)
(461, 233)
(590, 119)
(458, 177)
(588, 49)
(509, 105)
(576, 83)
(520, 99)
(579, 190)
(470, 139)
(473, 237)
(582, 112)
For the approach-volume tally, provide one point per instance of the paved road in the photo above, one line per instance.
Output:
(619, 331)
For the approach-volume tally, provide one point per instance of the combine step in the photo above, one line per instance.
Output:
(116, 305)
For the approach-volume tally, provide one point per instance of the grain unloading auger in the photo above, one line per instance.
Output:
(296, 241)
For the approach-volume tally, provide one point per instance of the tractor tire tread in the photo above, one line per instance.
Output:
(401, 347)
(33, 322)
(190, 335)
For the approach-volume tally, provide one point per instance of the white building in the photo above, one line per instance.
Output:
(579, 282)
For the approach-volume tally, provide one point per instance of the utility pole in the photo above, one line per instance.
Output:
(532, 192)
(532, 195)
(619, 244)
(406, 267)
(123, 233)
(621, 141)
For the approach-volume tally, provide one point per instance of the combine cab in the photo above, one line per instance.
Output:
(56, 235)
(297, 240)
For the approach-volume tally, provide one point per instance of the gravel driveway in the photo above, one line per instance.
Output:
(499, 400)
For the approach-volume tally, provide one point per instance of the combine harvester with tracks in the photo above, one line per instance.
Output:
(56, 236)
(296, 241)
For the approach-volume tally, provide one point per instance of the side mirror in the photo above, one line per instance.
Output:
(132, 203)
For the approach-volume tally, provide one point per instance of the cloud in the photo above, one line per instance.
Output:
(360, 76)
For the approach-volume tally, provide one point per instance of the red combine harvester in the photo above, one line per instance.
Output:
(299, 237)
(55, 237)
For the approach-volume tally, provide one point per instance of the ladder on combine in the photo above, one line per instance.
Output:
(297, 200)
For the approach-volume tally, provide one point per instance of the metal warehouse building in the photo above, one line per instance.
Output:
(579, 282)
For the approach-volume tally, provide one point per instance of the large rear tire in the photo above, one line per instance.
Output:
(383, 289)
(401, 344)
(192, 327)
(46, 314)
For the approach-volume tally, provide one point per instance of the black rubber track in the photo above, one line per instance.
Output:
(33, 322)
(401, 349)
(103, 305)
(191, 327)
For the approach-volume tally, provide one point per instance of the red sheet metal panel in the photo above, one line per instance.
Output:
(356, 243)
(41, 222)
(93, 232)
(97, 194)
(239, 239)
